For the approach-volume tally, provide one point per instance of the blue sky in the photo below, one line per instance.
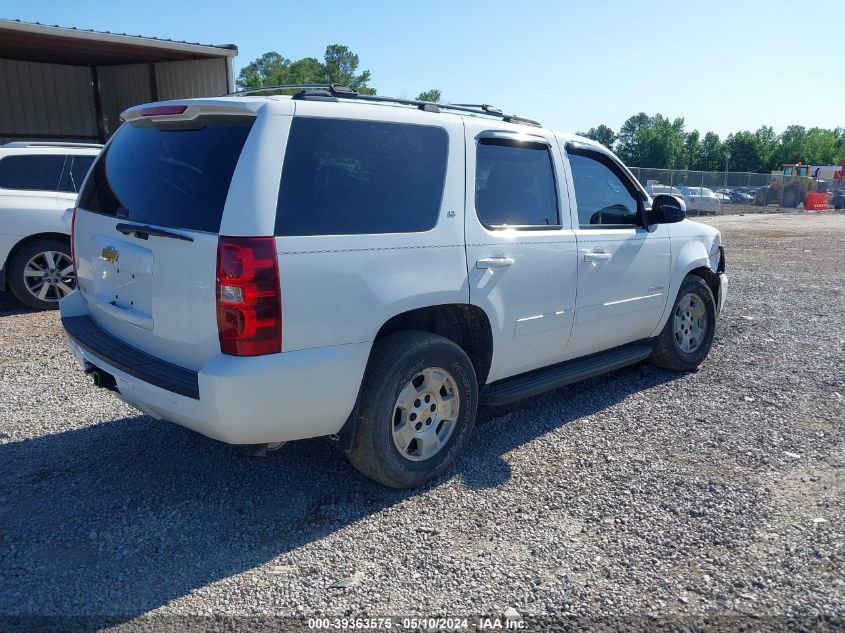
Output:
(722, 65)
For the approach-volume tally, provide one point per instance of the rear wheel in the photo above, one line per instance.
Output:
(790, 198)
(41, 273)
(417, 410)
(685, 340)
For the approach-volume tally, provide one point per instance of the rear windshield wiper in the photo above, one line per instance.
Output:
(144, 231)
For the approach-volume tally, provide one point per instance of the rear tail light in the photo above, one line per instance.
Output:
(72, 237)
(249, 299)
(166, 110)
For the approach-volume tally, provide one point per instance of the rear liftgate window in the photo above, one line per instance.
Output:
(346, 177)
(176, 177)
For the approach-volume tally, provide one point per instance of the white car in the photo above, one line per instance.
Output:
(657, 190)
(701, 200)
(38, 183)
(269, 268)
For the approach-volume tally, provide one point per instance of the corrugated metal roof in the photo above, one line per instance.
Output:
(144, 39)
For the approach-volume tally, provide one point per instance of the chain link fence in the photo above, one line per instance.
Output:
(736, 191)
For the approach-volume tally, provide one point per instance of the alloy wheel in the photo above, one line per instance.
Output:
(690, 323)
(49, 276)
(425, 414)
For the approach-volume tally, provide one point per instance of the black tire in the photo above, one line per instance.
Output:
(790, 198)
(394, 362)
(17, 282)
(667, 351)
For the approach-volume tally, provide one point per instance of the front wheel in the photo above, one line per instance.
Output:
(685, 340)
(417, 410)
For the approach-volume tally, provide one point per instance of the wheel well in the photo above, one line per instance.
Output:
(62, 237)
(466, 325)
(711, 278)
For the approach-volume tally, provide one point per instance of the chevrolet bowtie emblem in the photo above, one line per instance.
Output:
(110, 255)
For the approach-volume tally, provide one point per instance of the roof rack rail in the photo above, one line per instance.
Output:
(332, 88)
(335, 91)
(482, 106)
(51, 144)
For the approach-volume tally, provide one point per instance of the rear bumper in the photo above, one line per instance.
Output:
(239, 400)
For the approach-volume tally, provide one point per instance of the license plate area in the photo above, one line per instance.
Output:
(123, 275)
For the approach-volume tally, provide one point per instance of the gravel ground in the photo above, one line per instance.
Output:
(643, 497)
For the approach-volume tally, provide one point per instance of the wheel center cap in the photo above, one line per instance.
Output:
(423, 414)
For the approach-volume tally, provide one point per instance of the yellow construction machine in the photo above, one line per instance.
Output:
(790, 188)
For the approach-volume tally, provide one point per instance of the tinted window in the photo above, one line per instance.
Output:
(74, 176)
(173, 177)
(601, 195)
(31, 172)
(344, 177)
(515, 184)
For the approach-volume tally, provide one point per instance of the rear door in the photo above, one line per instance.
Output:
(28, 202)
(521, 251)
(623, 265)
(147, 227)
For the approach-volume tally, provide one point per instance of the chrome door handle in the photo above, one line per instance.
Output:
(597, 257)
(494, 262)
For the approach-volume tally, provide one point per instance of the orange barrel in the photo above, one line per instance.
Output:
(815, 202)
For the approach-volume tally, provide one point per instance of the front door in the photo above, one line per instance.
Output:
(521, 250)
(623, 265)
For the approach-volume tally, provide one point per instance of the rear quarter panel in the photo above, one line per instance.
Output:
(340, 289)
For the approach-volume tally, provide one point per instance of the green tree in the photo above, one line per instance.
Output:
(692, 148)
(660, 144)
(745, 152)
(767, 146)
(711, 154)
(601, 134)
(627, 145)
(268, 70)
(840, 145)
(821, 146)
(307, 70)
(339, 65)
(433, 95)
(793, 146)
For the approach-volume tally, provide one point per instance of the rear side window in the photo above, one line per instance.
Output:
(515, 184)
(34, 173)
(347, 177)
(177, 177)
(76, 168)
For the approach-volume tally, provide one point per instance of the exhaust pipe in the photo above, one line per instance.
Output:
(261, 450)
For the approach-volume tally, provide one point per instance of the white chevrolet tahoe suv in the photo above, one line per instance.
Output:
(270, 268)
(38, 183)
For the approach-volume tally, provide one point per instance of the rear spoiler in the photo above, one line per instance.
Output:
(186, 112)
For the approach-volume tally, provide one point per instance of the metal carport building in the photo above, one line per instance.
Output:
(67, 84)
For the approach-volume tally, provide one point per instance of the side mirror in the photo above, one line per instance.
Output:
(666, 209)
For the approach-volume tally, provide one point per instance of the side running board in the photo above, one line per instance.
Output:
(536, 382)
